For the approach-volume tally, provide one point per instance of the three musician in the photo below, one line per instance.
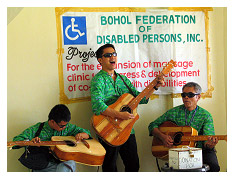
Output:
(106, 87)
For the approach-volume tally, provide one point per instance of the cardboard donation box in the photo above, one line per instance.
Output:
(185, 158)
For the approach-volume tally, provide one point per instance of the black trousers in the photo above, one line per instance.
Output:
(128, 153)
(210, 158)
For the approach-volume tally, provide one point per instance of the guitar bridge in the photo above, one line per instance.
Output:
(114, 123)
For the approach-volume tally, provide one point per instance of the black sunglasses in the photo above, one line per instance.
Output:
(190, 94)
(61, 126)
(108, 55)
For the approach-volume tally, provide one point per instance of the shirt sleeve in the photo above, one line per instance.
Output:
(97, 96)
(208, 126)
(207, 129)
(27, 134)
(155, 124)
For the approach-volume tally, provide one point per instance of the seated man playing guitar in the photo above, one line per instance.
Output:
(190, 114)
(57, 125)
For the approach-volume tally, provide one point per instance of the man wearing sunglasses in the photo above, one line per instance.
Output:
(57, 125)
(106, 87)
(190, 114)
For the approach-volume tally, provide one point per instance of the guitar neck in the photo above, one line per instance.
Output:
(30, 143)
(203, 137)
(144, 93)
(134, 103)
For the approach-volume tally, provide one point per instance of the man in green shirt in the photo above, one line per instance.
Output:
(190, 114)
(57, 125)
(106, 87)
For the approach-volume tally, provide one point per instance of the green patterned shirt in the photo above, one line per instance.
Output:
(105, 91)
(47, 132)
(202, 121)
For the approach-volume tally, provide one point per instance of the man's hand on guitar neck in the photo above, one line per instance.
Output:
(36, 140)
(160, 81)
(211, 142)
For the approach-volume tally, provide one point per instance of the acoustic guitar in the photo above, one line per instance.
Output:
(116, 131)
(181, 135)
(88, 152)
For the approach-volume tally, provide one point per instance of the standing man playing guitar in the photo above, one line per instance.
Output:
(106, 87)
(57, 125)
(190, 114)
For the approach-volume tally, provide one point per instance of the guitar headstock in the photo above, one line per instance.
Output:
(168, 67)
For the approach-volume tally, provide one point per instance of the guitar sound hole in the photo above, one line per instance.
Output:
(70, 143)
(177, 138)
(126, 109)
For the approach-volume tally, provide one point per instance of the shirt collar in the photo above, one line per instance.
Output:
(104, 72)
(47, 126)
(188, 110)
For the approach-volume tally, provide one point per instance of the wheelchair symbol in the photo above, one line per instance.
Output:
(79, 34)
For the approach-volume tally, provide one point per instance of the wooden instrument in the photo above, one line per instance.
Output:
(88, 152)
(116, 131)
(181, 135)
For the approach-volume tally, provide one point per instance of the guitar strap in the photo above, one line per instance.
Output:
(39, 129)
(127, 86)
(36, 135)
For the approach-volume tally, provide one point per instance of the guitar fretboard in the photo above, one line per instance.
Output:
(137, 100)
(42, 143)
(134, 103)
(202, 138)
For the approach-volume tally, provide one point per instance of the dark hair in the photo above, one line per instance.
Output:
(59, 113)
(99, 51)
(196, 86)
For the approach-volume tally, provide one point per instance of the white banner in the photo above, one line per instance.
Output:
(144, 42)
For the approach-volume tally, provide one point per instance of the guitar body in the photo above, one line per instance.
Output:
(93, 156)
(176, 132)
(115, 132)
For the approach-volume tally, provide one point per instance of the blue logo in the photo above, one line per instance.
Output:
(74, 30)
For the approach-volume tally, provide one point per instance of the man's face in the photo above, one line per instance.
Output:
(108, 63)
(59, 126)
(190, 103)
